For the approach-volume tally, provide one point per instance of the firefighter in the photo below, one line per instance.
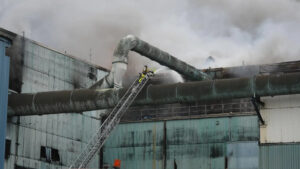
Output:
(117, 164)
(146, 70)
(142, 75)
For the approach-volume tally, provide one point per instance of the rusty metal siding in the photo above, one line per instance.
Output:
(197, 143)
(4, 76)
(279, 156)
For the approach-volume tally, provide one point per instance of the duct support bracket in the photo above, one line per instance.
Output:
(256, 104)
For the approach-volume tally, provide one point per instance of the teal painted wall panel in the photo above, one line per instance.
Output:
(146, 157)
(137, 145)
(47, 70)
(200, 156)
(279, 156)
(202, 143)
(212, 130)
(244, 128)
(136, 135)
(197, 143)
(243, 155)
(61, 70)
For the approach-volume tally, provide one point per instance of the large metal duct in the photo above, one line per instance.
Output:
(120, 60)
(87, 99)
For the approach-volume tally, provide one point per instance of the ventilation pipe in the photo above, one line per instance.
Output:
(120, 61)
(88, 99)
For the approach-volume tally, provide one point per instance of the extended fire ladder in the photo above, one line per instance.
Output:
(109, 124)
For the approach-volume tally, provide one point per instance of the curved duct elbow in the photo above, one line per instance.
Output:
(119, 64)
(120, 61)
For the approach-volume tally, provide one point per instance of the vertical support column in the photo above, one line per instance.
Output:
(165, 146)
(101, 149)
(4, 76)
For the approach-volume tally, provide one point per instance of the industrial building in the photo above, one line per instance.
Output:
(52, 103)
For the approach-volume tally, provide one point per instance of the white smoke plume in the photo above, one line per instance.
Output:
(231, 31)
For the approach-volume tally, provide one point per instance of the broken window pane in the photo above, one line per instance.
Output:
(49, 154)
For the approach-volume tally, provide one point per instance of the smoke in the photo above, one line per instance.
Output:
(232, 32)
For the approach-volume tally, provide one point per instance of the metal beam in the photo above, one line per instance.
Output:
(255, 101)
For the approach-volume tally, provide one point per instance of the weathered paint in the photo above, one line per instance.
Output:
(243, 155)
(279, 156)
(46, 70)
(282, 119)
(136, 145)
(202, 156)
(87, 99)
(4, 76)
(203, 143)
(197, 143)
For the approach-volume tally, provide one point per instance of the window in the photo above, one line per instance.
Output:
(7, 148)
(92, 76)
(20, 167)
(49, 154)
(91, 73)
(92, 69)
(55, 155)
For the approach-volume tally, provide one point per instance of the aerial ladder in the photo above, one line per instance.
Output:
(110, 123)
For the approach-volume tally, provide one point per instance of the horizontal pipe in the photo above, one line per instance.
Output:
(88, 99)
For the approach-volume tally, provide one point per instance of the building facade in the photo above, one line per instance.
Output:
(223, 134)
(50, 141)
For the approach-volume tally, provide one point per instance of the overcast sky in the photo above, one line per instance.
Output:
(232, 31)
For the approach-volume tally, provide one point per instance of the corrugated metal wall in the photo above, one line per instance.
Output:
(198, 143)
(279, 156)
(47, 70)
(137, 145)
(4, 76)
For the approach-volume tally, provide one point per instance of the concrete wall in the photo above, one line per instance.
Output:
(47, 70)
